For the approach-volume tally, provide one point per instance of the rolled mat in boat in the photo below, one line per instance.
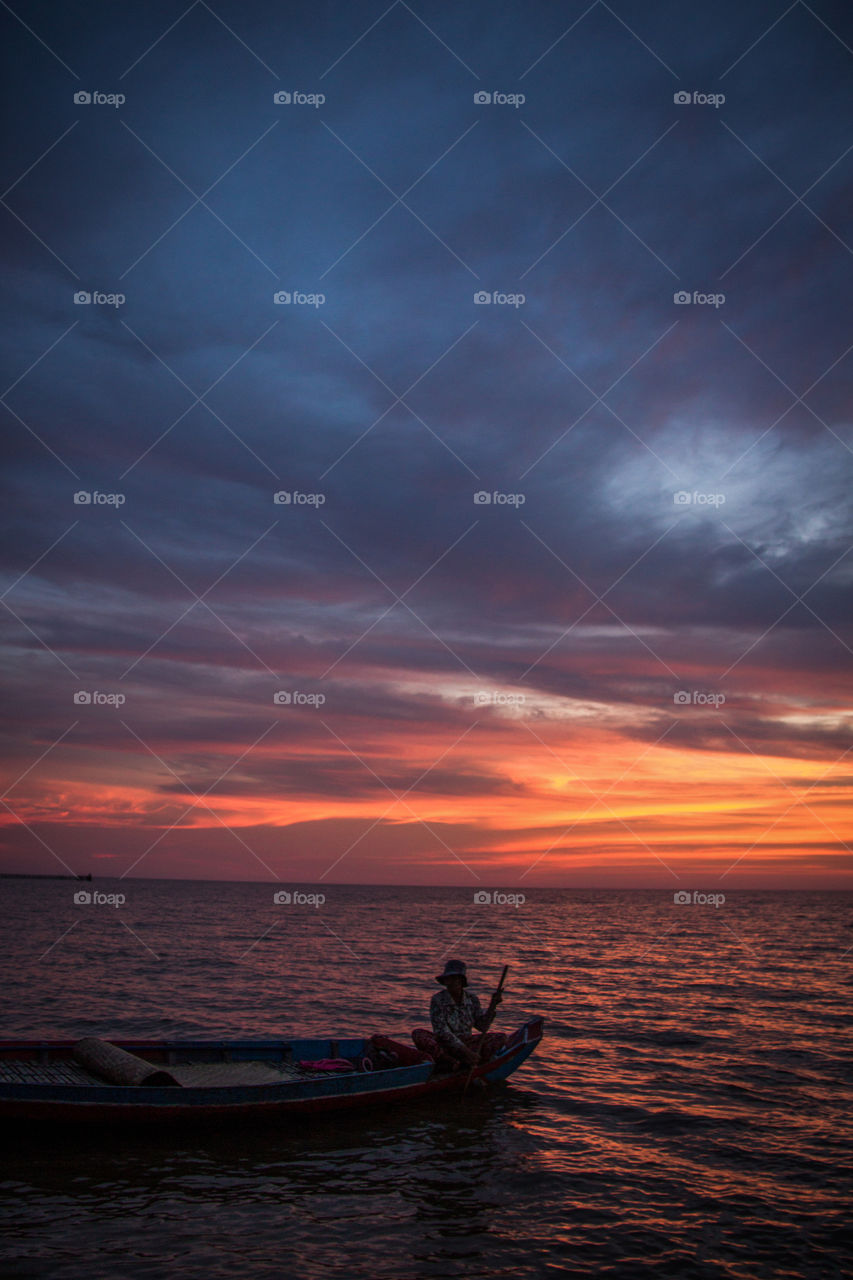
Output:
(118, 1066)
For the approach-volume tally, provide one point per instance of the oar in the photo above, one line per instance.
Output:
(483, 1035)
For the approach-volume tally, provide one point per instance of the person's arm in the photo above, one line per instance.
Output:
(482, 1021)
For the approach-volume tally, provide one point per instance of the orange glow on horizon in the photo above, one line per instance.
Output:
(547, 797)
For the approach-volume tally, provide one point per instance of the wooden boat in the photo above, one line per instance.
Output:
(146, 1080)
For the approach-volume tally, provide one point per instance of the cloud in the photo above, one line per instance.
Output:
(582, 411)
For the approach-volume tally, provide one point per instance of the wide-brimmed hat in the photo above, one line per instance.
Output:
(453, 969)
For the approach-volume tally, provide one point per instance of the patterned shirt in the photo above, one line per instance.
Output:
(451, 1021)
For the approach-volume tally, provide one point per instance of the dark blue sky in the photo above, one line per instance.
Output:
(582, 399)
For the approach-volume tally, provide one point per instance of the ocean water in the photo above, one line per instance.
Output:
(688, 1113)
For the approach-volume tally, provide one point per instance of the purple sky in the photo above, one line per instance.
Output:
(669, 481)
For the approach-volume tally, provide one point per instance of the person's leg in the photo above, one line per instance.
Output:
(492, 1043)
(404, 1055)
(429, 1044)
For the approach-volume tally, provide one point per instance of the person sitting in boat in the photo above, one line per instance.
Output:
(454, 1013)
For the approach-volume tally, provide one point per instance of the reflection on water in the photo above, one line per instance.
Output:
(687, 1114)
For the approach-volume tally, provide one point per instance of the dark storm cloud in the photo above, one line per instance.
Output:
(750, 594)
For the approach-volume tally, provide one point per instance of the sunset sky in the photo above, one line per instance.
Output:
(630, 666)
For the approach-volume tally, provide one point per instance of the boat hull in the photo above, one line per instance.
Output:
(29, 1097)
